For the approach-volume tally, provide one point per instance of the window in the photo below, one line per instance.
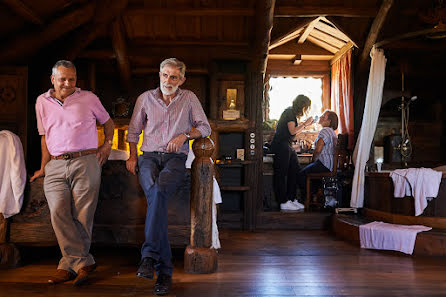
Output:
(283, 90)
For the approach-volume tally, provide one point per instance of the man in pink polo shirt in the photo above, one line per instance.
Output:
(71, 163)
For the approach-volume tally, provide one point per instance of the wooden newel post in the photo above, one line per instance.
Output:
(199, 257)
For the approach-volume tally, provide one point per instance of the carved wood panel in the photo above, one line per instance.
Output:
(13, 101)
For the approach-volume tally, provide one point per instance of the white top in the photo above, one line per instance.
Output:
(330, 139)
(12, 174)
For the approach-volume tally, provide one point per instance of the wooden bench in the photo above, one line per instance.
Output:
(121, 211)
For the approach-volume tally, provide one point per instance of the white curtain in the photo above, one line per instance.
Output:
(371, 112)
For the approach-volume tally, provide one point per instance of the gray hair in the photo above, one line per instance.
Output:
(63, 63)
(175, 63)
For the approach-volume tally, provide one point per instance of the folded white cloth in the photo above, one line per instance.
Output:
(118, 155)
(421, 183)
(216, 195)
(12, 173)
(384, 236)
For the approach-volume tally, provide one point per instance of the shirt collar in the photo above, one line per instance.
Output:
(50, 91)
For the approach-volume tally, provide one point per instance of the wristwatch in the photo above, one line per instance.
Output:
(187, 136)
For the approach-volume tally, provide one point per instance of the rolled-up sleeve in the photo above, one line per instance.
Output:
(137, 120)
(199, 119)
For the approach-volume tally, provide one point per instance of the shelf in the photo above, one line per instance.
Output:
(235, 164)
(234, 188)
(225, 126)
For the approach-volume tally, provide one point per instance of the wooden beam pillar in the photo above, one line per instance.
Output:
(254, 94)
(378, 22)
(26, 45)
(264, 25)
(120, 49)
(361, 77)
(105, 13)
(199, 257)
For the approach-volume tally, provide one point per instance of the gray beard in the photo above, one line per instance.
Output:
(165, 91)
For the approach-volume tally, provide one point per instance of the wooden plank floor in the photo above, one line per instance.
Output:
(269, 263)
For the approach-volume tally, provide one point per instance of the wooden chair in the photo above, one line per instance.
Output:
(340, 160)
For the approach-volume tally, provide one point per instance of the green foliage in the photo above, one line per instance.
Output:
(269, 125)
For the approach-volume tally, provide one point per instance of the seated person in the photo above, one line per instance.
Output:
(325, 145)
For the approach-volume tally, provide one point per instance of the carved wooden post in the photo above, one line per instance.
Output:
(199, 257)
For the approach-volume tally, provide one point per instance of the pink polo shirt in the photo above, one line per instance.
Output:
(72, 126)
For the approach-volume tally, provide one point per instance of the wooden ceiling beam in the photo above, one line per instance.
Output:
(138, 56)
(341, 52)
(24, 11)
(322, 26)
(155, 70)
(204, 12)
(378, 22)
(120, 49)
(323, 10)
(28, 44)
(327, 38)
(174, 43)
(323, 44)
(105, 12)
(308, 30)
(289, 35)
(283, 66)
(414, 45)
(307, 48)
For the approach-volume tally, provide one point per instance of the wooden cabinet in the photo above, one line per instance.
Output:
(241, 197)
(233, 175)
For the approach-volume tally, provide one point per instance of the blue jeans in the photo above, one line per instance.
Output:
(160, 175)
(315, 167)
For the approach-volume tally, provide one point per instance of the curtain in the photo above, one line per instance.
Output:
(371, 112)
(341, 95)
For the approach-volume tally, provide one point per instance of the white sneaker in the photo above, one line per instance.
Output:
(288, 206)
(298, 204)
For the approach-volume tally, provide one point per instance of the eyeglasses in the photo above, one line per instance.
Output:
(173, 78)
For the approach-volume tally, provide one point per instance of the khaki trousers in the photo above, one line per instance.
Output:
(71, 189)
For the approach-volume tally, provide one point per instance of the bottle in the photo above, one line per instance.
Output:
(232, 104)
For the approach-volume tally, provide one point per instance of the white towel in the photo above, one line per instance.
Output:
(384, 236)
(216, 195)
(421, 183)
(12, 173)
(116, 154)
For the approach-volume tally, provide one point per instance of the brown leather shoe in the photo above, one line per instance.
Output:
(61, 276)
(82, 274)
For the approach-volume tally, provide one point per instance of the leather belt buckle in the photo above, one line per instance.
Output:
(67, 156)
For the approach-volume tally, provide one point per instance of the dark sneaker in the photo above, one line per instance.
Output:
(145, 269)
(163, 285)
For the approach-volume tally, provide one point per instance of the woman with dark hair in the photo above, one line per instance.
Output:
(324, 149)
(286, 165)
